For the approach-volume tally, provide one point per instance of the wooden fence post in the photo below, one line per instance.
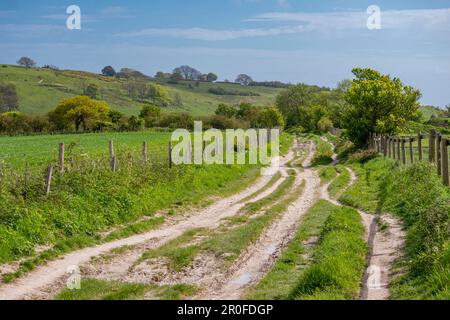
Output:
(144, 152)
(445, 177)
(419, 145)
(48, 179)
(61, 158)
(431, 146)
(385, 145)
(394, 153)
(112, 157)
(403, 151)
(388, 145)
(111, 149)
(411, 150)
(392, 148)
(399, 142)
(438, 153)
(113, 164)
(170, 154)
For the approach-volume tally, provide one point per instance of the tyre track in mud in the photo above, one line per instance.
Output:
(257, 260)
(385, 247)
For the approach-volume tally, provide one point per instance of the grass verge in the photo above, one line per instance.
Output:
(93, 289)
(281, 280)
(339, 260)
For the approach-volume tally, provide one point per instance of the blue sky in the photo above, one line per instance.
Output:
(316, 42)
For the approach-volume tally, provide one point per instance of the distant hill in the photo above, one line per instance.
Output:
(41, 89)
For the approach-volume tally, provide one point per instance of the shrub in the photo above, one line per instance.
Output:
(363, 156)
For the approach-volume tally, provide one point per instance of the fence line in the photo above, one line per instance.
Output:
(394, 147)
(158, 154)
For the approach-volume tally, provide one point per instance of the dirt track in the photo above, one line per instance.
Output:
(251, 266)
(47, 279)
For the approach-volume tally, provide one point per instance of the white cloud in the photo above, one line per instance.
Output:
(215, 35)
(391, 19)
(307, 22)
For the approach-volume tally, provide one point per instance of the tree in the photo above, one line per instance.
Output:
(343, 85)
(108, 71)
(377, 104)
(135, 124)
(150, 114)
(158, 94)
(243, 79)
(292, 100)
(91, 91)
(176, 76)
(226, 110)
(80, 113)
(211, 77)
(324, 124)
(115, 116)
(270, 117)
(188, 73)
(8, 97)
(26, 62)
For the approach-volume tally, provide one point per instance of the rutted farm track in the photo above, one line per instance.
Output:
(124, 259)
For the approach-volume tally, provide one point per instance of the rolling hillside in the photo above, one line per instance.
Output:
(40, 90)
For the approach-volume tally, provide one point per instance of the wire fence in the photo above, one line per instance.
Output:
(37, 174)
(432, 147)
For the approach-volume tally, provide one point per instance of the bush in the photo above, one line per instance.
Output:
(222, 92)
(176, 121)
(363, 156)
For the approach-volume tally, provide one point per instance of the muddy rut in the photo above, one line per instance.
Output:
(48, 279)
(385, 248)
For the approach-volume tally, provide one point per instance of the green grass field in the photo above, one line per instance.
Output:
(40, 150)
(40, 90)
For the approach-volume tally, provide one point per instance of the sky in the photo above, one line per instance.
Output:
(314, 42)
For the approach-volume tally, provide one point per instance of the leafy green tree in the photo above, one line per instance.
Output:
(270, 117)
(150, 114)
(109, 71)
(324, 124)
(211, 77)
(79, 113)
(158, 94)
(244, 79)
(226, 110)
(291, 101)
(115, 116)
(26, 62)
(377, 104)
(135, 124)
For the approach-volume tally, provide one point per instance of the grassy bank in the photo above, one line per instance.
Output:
(416, 195)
